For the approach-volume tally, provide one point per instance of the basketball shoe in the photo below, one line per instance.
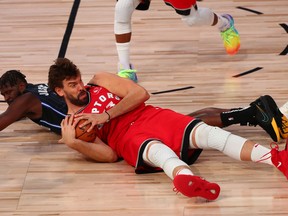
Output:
(267, 116)
(230, 36)
(195, 186)
(280, 159)
(127, 73)
(283, 122)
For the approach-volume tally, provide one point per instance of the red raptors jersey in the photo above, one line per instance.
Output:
(128, 134)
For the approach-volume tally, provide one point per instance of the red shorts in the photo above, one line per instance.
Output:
(181, 6)
(130, 133)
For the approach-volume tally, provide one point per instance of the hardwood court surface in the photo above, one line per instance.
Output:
(40, 177)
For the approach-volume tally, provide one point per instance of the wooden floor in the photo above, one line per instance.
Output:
(40, 177)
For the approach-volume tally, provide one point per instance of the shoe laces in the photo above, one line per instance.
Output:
(175, 190)
(276, 147)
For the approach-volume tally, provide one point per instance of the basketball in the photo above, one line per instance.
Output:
(82, 134)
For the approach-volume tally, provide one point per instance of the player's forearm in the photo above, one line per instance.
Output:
(132, 100)
(5, 121)
(96, 151)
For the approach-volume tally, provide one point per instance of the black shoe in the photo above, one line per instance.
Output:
(281, 120)
(144, 5)
(267, 116)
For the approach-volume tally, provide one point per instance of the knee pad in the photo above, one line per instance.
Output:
(207, 137)
(216, 138)
(200, 17)
(157, 154)
(123, 14)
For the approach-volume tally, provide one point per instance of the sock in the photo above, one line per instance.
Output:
(284, 109)
(244, 116)
(223, 23)
(123, 50)
(261, 154)
(185, 171)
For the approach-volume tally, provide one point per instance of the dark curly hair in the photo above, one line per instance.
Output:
(12, 78)
(62, 69)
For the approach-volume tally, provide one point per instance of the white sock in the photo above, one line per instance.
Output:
(185, 171)
(160, 155)
(222, 23)
(261, 154)
(284, 109)
(123, 50)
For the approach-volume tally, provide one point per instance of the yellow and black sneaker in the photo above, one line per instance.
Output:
(268, 117)
(283, 125)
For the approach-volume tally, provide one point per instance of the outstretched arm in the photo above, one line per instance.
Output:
(26, 105)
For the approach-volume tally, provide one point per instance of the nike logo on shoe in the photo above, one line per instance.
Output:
(279, 164)
(264, 115)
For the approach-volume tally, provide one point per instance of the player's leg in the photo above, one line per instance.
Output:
(226, 117)
(263, 112)
(201, 16)
(156, 154)
(209, 115)
(208, 137)
(123, 32)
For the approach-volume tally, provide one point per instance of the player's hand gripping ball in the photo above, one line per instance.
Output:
(82, 134)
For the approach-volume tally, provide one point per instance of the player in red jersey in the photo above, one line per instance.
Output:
(191, 15)
(147, 137)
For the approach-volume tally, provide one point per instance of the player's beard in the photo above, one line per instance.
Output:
(81, 100)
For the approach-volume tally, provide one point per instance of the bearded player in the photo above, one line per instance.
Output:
(148, 138)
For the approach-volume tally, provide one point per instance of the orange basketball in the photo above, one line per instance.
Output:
(82, 134)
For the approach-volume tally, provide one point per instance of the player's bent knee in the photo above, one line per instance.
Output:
(157, 154)
(207, 136)
(122, 27)
(124, 10)
(123, 16)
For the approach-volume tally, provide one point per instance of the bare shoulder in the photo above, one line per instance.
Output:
(26, 100)
(106, 78)
(28, 96)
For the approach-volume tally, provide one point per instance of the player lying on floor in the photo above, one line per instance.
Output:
(147, 137)
(45, 108)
